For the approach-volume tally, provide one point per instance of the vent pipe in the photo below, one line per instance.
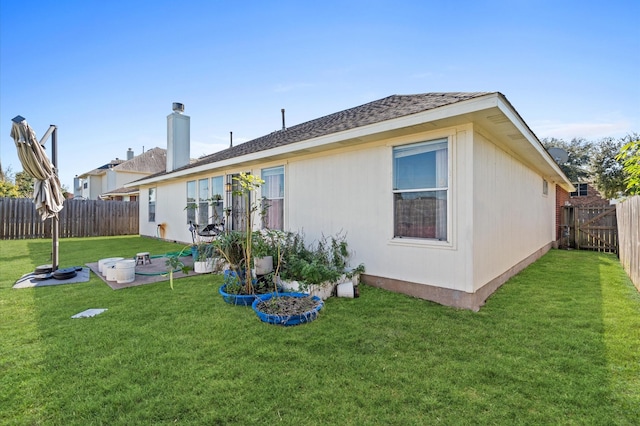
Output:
(230, 139)
(283, 126)
(129, 154)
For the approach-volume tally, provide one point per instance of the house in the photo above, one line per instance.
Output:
(443, 196)
(107, 181)
(586, 195)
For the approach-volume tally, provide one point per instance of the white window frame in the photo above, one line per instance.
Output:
(192, 200)
(284, 189)
(203, 202)
(152, 202)
(449, 242)
(221, 201)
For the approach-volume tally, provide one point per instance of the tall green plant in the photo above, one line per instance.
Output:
(174, 264)
(248, 183)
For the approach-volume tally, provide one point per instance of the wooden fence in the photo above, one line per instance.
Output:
(590, 228)
(79, 218)
(628, 213)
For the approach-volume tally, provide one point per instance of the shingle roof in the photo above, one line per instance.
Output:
(151, 161)
(388, 108)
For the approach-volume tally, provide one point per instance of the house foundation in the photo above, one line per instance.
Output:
(451, 297)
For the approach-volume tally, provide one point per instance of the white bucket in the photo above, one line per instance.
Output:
(125, 271)
(264, 265)
(101, 262)
(110, 268)
(346, 289)
(107, 265)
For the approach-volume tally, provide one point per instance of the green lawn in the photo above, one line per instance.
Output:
(559, 344)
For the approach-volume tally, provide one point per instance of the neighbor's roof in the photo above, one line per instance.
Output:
(152, 161)
(120, 191)
(388, 108)
(102, 169)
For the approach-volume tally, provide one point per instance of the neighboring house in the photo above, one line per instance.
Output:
(443, 196)
(586, 195)
(107, 182)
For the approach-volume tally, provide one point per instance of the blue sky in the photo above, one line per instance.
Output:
(106, 72)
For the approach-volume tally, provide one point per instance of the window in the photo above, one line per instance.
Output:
(421, 190)
(203, 202)
(152, 204)
(581, 190)
(191, 201)
(273, 197)
(545, 187)
(217, 191)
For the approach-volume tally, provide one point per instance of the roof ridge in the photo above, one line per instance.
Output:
(384, 109)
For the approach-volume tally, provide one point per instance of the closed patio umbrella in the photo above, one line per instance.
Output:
(47, 191)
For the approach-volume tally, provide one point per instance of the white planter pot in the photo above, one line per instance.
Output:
(323, 291)
(205, 267)
(263, 265)
(292, 286)
(345, 289)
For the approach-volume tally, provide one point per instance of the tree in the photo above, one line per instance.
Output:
(630, 157)
(8, 189)
(579, 151)
(606, 170)
(24, 184)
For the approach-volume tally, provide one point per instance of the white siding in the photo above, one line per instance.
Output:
(351, 191)
(512, 218)
(498, 215)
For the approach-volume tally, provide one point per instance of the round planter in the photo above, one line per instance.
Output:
(236, 299)
(205, 267)
(290, 319)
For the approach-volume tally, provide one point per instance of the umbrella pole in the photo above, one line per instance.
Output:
(54, 220)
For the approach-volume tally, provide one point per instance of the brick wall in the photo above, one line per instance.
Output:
(562, 197)
(593, 198)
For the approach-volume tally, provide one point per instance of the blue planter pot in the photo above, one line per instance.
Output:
(291, 319)
(236, 299)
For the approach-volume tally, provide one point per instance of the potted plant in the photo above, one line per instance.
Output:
(312, 273)
(237, 247)
(262, 253)
(229, 247)
(317, 268)
(203, 257)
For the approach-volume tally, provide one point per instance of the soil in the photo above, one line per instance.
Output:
(287, 306)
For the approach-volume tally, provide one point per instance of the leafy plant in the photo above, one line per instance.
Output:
(630, 158)
(174, 264)
(322, 263)
(229, 246)
(204, 251)
(232, 283)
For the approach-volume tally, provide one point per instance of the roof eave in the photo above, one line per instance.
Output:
(466, 110)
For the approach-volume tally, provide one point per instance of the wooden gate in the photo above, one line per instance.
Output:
(590, 228)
